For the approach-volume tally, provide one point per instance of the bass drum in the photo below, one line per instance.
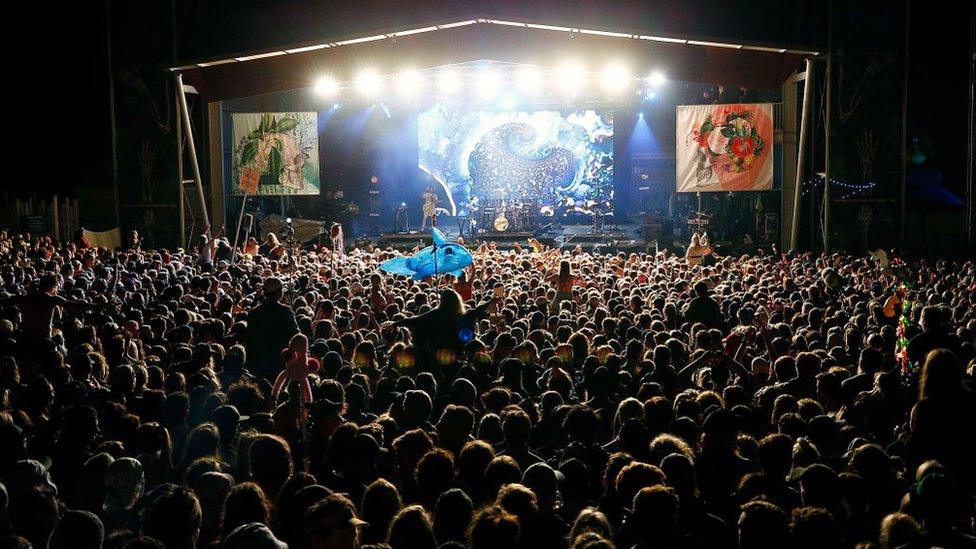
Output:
(501, 223)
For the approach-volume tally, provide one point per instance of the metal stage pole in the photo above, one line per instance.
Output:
(827, 107)
(903, 195)
(237, 233)
(179, 170)
(970, 221)
(188, 132)
(801, 155)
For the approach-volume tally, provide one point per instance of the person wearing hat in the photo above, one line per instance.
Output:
(332, 524)
(124, 485)
(270, 326)
(253, 535)
(29, 475)
(544, 481)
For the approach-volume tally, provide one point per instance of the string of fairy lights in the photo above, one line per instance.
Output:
(846, 190)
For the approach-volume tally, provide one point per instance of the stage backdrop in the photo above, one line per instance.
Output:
(725, 147)
(275, 153)
(543, 156)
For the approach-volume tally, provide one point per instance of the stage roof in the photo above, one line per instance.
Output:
(760, 65)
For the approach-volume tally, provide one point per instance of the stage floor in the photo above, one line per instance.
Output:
(620, 237)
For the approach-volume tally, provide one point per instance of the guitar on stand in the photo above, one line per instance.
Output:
(501, 222)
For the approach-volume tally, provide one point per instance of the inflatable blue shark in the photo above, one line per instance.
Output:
(442, 258)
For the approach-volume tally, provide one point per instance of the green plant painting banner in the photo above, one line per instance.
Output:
(275, 153)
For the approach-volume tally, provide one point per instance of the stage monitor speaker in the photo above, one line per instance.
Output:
(771, 227)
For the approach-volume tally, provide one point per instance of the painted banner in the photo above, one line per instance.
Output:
(275, 153)
(725, 147)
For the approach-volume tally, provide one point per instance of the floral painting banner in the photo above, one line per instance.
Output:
(725, 147)
(275, 153)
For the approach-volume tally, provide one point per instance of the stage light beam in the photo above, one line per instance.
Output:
(326, 86)
(369, 83)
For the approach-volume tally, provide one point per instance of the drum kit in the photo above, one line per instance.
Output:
(504, 216)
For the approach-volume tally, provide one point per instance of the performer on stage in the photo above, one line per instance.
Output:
(429, 207)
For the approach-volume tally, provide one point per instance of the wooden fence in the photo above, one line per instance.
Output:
(55, 216)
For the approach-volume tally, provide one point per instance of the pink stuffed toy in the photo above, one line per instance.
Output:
(298, 366)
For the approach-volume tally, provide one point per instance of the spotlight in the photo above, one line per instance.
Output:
(409, 83)
(655, 79)
(326, 86)
(448, 81)
(615, 78)
(529, 80)
(335, 106)
(507, 103)
(488, 81)
(569, 77)
(369, 83)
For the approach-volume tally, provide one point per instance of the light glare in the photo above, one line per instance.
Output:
(448, 82)
(615, 77)
(409, 83)
(369, 83)
(488, 82)
(569, 77)
(326, 86)
(656, 79)
(529, 80)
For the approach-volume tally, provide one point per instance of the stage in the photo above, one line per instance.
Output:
(624, 238)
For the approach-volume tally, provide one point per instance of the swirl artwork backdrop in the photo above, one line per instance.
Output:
(542, 156)
(725, 147)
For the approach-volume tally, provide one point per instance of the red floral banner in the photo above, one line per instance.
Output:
(725, 147)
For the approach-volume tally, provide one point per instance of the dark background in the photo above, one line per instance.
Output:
(61, 71)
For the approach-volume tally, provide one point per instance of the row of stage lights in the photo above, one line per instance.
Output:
(570, 79)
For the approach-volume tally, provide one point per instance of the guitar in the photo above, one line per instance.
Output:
(501, 222)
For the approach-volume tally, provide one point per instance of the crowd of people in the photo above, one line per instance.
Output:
(544, 399)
